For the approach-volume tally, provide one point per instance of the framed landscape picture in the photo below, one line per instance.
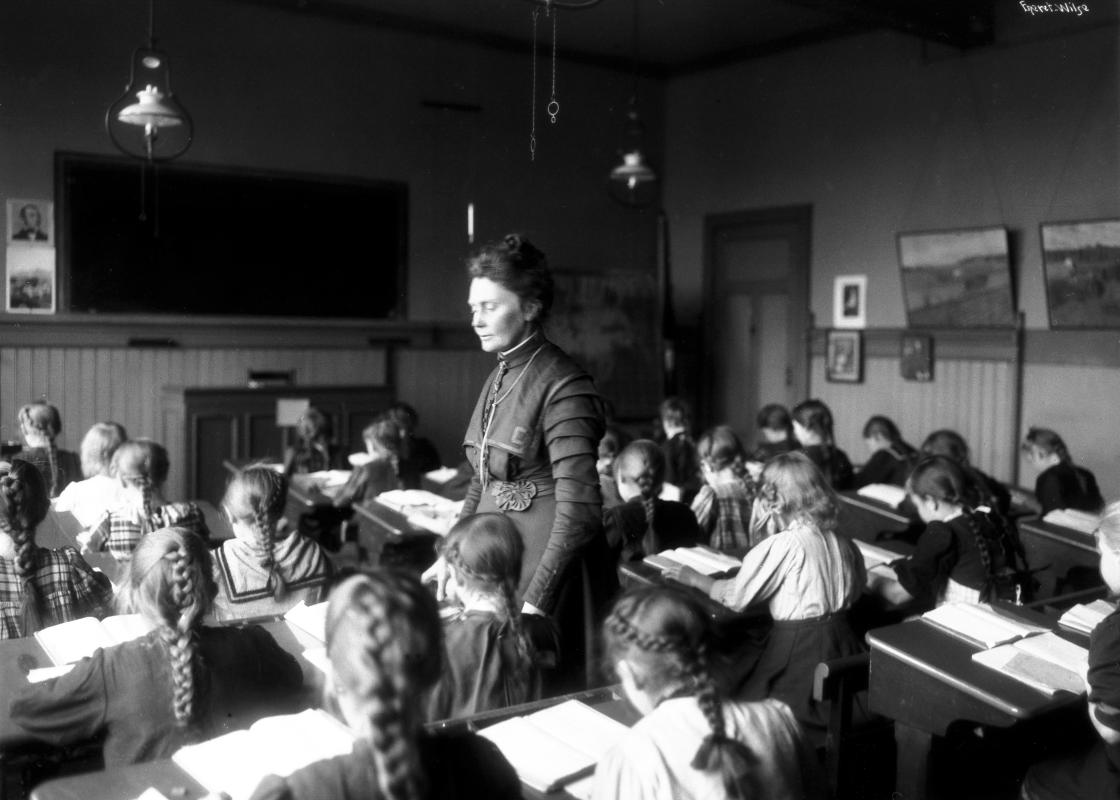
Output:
(957, 279)
(1081, 261)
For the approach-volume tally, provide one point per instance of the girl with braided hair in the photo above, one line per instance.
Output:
(890, 456)
(266, 568)
(812, 425)
(949, 443)
(180, 683)
(140, 466)
(38, 586)
(692, 741)
(40, 424)
(723, 505)
(1060, 482)
(966, 553)
(385, 645)
(89, 499)
(645, 524)
(379, 470)
(807, 575)
(493, 650)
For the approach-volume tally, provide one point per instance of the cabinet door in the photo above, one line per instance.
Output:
(263, 439)
(213, 440)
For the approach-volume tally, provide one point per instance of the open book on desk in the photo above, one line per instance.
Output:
(72, 641)
(551, 748)
(423, 509)
(1084, 618)
(236, 762)
(874, 555)
(308, 623)
(1046, 662)
(1081, 521)
(884, 492)
(980, 624)
(703, 559)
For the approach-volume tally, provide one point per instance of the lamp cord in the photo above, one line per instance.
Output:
(533, 93)
(152, 24)
(553, 104)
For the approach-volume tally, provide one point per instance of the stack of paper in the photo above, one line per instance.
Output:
(1084, 618)
(873, 555)
(1046, 662)
(236, 762)
(423, 509)
(884, 493)
(1072, 518)
(704, 560)
(441, 475)
(980, 624)
(556, 746)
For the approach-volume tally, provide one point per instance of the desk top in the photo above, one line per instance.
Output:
(871, 520)
(1047, 530)
(930, 653)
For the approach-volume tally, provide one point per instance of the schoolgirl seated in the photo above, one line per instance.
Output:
(314, 449)
(493, 651)
(1060, 483)
(645, 524)
(417, 454)
(890, 457)
(39, 587)
(265, 569)
(948, 443)
(385, 648)
(723, 504)
(965, 554)
(1093, 773)
(141, 468)
(100, 491)
(613, 441)
(40, 424)
(176, 685)
(775, 435)
(682, 464)
(807, 576)
(379, 470)
(692, 742)
(812, 425)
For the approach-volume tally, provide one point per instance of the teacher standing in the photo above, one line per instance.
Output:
(533, 442)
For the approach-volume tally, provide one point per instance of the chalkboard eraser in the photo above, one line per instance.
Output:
(154, 341)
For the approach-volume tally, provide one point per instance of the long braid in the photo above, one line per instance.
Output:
(179, 634)
(982, 546)
(513, 620)
(15, 523)
(265, 526)
(52, 460)
(147, 514)
(649, 503)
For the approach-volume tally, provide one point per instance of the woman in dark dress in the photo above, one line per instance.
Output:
(532, 442)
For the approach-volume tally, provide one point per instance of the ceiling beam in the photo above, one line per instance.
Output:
(959, 23)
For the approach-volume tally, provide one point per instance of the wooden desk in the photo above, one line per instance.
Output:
(925, 680)
(174, 782)
(1069, 557)
(386, 536)
(871, 521)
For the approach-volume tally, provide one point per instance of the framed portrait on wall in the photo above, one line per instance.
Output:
(849, 301)
(916, 359)
(1081, 261)
(844, 357)
(30, 222)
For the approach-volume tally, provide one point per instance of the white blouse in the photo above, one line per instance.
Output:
(801, 573)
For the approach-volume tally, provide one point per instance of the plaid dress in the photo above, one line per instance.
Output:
(68, 588)
(723, 510)
(119, 530)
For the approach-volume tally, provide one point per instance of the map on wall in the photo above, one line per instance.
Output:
(608, 322)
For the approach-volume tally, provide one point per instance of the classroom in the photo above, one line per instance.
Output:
(908, 213)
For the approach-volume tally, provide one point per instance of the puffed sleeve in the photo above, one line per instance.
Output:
(921, 573)
(99, 533)
(70, 708)
(573, 425)
(764, 568)
(704, 507)
(91, 591)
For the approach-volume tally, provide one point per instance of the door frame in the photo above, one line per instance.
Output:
(799, 323)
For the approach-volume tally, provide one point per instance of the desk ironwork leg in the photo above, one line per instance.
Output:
(912, 764)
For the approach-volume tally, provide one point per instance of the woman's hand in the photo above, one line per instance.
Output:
(437, 573)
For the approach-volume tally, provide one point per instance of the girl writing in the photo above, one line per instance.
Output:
(88, 499)
(379, 471)
(891, 458)
(964, 554)
(1060, 483)
(812, 425)
(723, 505)
(806, 574)
(265, 569)
(141, 467)
(175, 685)
(692, 742)
(1096, 773)
(39, 587)
(384, 644)
(682, 463)
(644, 524)
(40, 424)
(490, 661)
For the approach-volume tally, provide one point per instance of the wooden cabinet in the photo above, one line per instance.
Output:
(239, 424)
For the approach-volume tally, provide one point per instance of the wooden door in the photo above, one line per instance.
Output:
(756, 314)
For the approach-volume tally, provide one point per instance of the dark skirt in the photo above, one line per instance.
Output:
(789, 660)
(1089, 776)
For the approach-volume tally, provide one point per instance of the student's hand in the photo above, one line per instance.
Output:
(84, 542)
(682, 574)
(437, 572)
(529, 608)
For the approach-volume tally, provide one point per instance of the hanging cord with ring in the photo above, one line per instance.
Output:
(553, 103)
(533, 94)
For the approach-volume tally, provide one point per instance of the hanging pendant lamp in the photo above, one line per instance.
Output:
(148, 121)
(633, 182)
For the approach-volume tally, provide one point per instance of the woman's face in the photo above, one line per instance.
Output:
(499, 316)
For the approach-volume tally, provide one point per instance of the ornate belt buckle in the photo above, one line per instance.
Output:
(514, 495)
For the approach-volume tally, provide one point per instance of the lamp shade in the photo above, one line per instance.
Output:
(633, 182)
(147, 121)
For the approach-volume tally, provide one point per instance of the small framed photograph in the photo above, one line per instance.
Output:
(916, 359)
(30, 287)
(31, 222)
(849, 302)
(844, 357)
